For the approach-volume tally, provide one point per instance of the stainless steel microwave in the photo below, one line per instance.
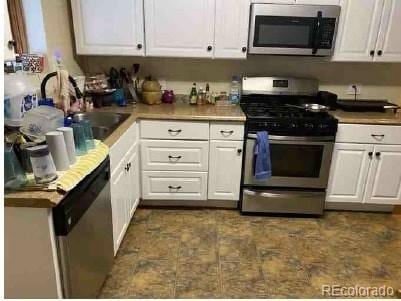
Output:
(291, 29)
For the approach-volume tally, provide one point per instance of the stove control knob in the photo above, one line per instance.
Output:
(323, 126)
(309, 125)
(275, 125)
(293, 125)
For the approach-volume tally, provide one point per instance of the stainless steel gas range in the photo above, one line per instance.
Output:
(301, 145)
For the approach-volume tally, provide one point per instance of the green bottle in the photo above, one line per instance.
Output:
(193, 95)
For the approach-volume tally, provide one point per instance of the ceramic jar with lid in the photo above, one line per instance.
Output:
(43, 166)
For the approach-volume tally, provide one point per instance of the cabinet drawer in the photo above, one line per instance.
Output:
(175, 155)
(364, 133)
(226, 131)
(172, 185)
(120, 147)
(166, 129)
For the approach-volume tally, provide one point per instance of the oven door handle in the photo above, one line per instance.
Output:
(295, 138)
(280, 195)
(266, 194)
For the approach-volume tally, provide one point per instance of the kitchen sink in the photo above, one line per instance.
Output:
(103, 123)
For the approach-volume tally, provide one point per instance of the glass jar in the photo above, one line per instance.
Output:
(43, 166)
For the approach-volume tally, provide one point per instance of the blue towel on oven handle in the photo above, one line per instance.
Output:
(262, 170)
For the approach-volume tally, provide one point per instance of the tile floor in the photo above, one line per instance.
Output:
(222, 254)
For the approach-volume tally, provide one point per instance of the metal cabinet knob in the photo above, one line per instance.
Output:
(370, 154)
(372, 53)
(139, 46)
(380, 52)
(174, 187)
(227, 132)
(174, 131)
(377, 154)
(377, 135)
(239, 151)
(209, 48)
(243, 49)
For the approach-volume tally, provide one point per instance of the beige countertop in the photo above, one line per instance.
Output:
(378, 118)
(179, 111)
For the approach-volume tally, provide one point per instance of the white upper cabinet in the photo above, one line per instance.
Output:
(179, 28)
(357, 31)
(231, 30)
(108, 27)
(388, 47)
(318, 2)
(301, 2)
(369, 30)
(384, 181)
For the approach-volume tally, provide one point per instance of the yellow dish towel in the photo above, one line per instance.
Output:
(85, 164)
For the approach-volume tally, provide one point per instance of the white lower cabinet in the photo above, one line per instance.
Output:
(174, 185)
(174, 155)
(384, 180)
(125, 182)
(119, 200)
(348, 173)
(225, 170)
(366, 173)
(183, 164)
(133, 187)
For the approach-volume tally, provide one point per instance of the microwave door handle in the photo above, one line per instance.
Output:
(317, 32)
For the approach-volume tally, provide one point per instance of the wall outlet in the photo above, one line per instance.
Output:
(352, 87)
(163, 83)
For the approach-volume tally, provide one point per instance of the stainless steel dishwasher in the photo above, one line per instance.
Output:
(84, 233)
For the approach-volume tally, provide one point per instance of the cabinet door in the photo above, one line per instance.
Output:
(384, 181)
(118, 205)
(388, 47)
(231, 31)
(179, 28)
(132, 182)
(348, 172)
(108, 27)
(225, 170)
(358, 29)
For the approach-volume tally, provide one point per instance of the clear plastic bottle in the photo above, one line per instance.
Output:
(235, 91)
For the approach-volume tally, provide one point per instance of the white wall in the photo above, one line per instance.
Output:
(379, 81)
(59, 34)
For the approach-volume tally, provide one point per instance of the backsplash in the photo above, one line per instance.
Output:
(379, 81)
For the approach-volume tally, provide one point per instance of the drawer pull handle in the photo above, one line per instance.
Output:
(176, 132)
(176, 187)
(377, 135)
(226, 133)
(174, 157)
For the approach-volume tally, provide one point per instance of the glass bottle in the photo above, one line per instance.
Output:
(201, 97)
(208, 95)
(193, 95)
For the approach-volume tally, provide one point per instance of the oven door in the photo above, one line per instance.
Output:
(293, 29)
(297, 162)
